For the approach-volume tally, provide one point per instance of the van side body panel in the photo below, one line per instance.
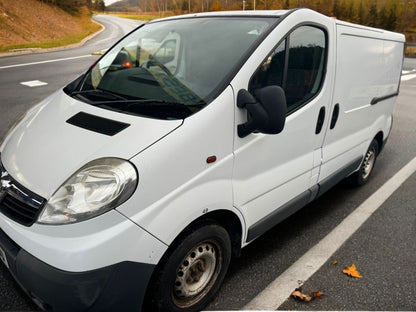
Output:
(272, 171)
(368, 70)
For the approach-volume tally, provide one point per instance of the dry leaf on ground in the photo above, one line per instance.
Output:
(297, 294)
(352, 271)
(315, 294)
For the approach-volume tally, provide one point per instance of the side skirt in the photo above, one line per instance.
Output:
(292, 206)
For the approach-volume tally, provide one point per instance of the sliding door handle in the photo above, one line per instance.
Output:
(335, 115)
(321, 119)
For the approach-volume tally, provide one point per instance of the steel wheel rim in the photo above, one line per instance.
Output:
(368, 164)
(196, 274)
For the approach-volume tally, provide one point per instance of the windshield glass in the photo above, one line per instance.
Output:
(170, 69)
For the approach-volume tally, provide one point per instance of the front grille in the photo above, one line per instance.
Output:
(19, 211)
(18, 203)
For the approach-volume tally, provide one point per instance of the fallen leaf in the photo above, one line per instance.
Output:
(352, 271)
(297, 294)
(315, 294)
(334, 262)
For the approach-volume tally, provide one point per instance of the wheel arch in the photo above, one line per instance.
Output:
(224, 218)
(380, 140)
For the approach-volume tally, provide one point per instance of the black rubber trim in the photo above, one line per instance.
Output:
(97, 124)
(283, 212)
(376, 100)
(118, 287)
(338, 176)
(269, 221)
(10, 248)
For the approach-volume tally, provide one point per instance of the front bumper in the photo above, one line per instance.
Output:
(118, 287)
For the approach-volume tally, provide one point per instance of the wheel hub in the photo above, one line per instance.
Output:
(196, 273)
(368, 163)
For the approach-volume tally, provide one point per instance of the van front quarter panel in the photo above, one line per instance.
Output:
(176, 183)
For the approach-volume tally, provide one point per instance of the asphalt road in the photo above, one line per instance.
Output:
(383, 249)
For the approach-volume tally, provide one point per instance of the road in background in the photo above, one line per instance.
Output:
(383, 248)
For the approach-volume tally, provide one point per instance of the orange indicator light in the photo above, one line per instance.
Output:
(211, 159)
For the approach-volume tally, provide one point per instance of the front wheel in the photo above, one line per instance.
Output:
(192, 271)
(362, 175)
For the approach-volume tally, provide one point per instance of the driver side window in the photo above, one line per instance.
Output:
(166, 53)
(296, 65)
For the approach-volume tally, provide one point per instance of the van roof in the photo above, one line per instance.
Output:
(279, 13)
(258, 13)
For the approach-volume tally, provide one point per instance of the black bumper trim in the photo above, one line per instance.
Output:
(118, 287)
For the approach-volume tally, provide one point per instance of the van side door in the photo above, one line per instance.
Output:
(275, 175)
(368, 69)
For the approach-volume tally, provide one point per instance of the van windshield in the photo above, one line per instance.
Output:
(171, 69)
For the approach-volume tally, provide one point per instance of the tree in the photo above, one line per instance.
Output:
(216, 6)
(391, 17)
(382, 17)
(372, 19)
(336, 10)
(361, 13)
(99, 5)
(286, 4)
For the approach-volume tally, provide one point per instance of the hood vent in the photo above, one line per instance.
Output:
(97, 124)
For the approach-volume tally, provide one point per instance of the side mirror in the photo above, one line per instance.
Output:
(267, 111)
(121, 61)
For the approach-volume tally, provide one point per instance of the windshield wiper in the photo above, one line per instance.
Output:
(99, 93)
(145, 103)
(152, 107)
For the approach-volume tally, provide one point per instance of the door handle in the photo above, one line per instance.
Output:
(321, 119)
(335, 115)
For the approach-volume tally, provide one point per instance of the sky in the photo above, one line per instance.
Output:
(108, 2)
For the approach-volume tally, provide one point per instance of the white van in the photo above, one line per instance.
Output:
(131, 188)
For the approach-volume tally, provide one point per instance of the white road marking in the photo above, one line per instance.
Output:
(408, 77)
(45, 62)
(276, 293)
(34, 83)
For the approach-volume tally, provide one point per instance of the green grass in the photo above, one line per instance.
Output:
(88, 26)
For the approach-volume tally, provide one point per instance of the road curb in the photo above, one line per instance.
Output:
(67, 47)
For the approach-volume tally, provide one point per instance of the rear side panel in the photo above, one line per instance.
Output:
(368, 70)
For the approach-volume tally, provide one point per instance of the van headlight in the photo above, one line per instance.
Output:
(96, 188)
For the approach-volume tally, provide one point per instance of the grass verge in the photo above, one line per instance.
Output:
(88, 27)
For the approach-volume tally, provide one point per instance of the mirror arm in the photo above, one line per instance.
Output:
(258, 117)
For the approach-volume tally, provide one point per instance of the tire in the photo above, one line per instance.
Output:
(192, 271)
(363, 174)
